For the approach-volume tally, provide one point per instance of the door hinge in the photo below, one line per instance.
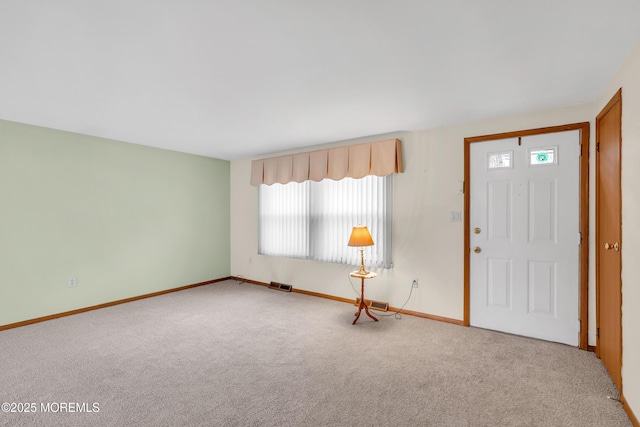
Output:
(580, 155)
(597, 332)
(579, 238)
(598, 147)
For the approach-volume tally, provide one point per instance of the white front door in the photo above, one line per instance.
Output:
(524, 225)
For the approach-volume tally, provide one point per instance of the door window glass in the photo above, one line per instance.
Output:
(543, 156)
(500, 160)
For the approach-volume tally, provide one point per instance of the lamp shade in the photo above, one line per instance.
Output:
(360, 237)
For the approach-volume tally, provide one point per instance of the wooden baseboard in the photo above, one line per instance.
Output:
(629, 411)
(591, 348)
(429, 316)
(353, 301)
(242, 279)
(318, 294)
(107, 304)
(299, 291)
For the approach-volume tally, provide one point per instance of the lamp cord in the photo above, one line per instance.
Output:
(397, 314)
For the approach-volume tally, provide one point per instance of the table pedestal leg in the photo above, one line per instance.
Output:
(362, 306)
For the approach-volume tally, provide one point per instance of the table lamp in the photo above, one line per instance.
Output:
(360, 237)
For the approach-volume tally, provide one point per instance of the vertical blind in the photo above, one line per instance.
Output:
(313, 220)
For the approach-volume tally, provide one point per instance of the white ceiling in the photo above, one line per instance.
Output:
(239, 78)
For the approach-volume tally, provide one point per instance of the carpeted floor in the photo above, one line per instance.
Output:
(231, 354)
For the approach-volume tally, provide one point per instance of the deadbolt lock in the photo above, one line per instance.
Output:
(477, 249)
(615, 246)
(477, 230)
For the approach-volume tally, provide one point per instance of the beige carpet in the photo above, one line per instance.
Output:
(233, 354)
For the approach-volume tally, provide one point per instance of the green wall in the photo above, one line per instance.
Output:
(124, 219)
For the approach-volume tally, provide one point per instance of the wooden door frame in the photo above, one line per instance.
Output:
(583, 227)
(617, 97)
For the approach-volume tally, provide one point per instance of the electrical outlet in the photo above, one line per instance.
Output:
(72, 282)
(414, 284)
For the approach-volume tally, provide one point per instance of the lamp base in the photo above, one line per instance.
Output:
(362, 270)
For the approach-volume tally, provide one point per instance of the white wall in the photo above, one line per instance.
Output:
(628, 78)
(426, 244)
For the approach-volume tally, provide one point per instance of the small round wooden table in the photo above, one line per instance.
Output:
(368, 275)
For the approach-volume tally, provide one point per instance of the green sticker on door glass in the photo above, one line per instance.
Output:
(542, 156)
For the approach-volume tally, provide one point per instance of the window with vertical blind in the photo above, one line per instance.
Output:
(313, 220)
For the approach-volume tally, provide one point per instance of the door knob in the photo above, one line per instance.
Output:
(477, 230)
(615, 246)
(477, 249)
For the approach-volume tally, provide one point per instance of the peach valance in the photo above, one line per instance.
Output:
(380, 158)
